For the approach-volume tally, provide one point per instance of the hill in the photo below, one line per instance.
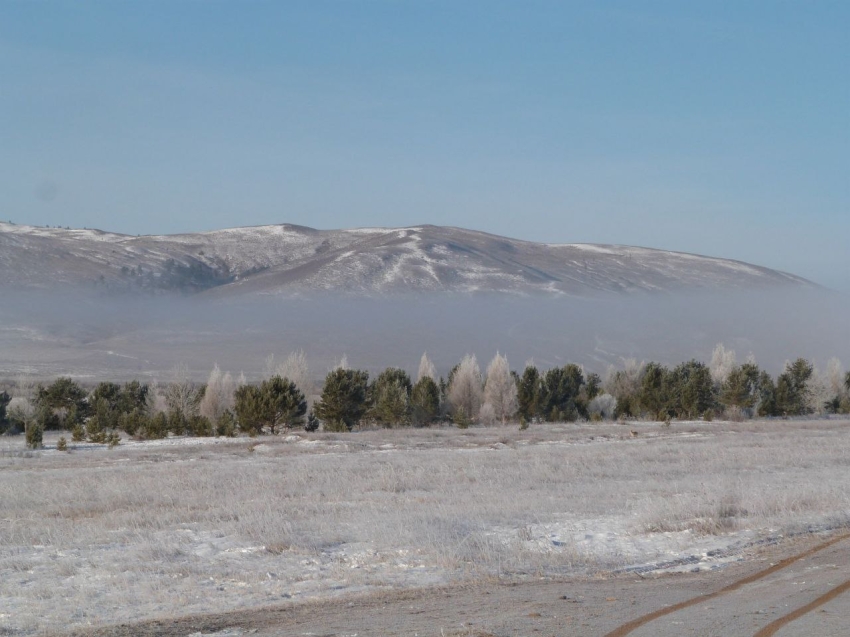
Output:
(282, 259)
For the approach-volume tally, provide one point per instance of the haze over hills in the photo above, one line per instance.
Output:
(97, 305)
(285, 259)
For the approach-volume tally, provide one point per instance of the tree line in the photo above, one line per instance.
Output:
(348, 398)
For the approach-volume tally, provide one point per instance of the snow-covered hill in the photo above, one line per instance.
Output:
(281, 259)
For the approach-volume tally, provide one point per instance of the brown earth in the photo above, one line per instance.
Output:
(792, 588)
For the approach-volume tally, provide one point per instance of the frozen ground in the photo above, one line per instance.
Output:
(166, 528)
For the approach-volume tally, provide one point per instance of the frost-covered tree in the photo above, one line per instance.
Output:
(465, 391)
(269, 366)
(625, 385)
(218, 396)
(835, 376)
(603, 407)
(155, 400)
(426, 369)
(183, 395)
(826, 389)
(500, 390)
(295, 368)
(722, 363)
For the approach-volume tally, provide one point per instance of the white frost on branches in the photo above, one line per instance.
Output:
(218, 396)
(465, 390)
(722, 363)
(500, 391)
(426, 369)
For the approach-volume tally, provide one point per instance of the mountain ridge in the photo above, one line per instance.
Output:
(286, 258)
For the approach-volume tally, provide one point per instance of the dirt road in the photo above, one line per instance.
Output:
(799, 587)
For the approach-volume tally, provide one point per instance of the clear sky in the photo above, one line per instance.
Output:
(720, 128)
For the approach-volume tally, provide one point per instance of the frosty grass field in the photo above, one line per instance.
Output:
(164, 528)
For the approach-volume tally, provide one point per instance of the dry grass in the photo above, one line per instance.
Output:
(99, 535)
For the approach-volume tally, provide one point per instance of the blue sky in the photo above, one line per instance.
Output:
(720, 128)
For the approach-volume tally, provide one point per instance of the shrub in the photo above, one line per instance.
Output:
(155, 427)
(5, 399)
(131, 422)
(460, 419)
(225, 425)
(312, 423)
(78, 433)
(200, 426)
(34, 434)
(62, 444)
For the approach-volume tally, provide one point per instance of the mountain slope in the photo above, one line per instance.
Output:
(284, 259)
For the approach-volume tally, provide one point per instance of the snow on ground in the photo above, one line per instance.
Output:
(188, 525)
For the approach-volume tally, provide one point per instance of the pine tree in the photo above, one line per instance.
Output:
(740, 388)
(389, 397)
(283, 403)
(561, 389)
(528, 393)
(425, 401)
(343, 401)
(792, 389)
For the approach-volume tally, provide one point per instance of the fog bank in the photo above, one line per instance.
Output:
(90, 337)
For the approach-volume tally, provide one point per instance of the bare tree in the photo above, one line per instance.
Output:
(465, 390)
(426, 369)
(500, 390)
(722, 363)
(218, 396)
(182, 394)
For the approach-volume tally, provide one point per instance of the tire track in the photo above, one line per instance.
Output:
(627, 628)
(774, 626)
